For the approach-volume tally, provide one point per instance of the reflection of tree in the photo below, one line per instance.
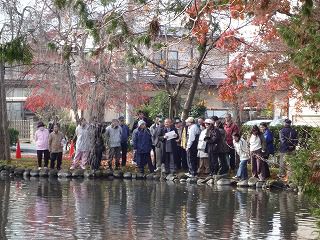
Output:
(287, 215)
(4, 205)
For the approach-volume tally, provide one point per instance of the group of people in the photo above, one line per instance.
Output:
(209, 147)
(49, 145)
(201, 147)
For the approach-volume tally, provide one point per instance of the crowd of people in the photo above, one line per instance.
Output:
(199, 147)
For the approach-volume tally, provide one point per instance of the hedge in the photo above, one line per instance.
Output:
(14, 136)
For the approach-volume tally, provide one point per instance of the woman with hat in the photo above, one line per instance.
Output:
(42, 145)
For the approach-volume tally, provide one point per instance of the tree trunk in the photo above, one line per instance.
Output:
(73, 90)
(4, 132)
(192, 90)
(171, 106)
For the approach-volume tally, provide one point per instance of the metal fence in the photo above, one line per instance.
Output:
(25, 128)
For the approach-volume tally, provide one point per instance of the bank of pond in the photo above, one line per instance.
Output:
(7, 171)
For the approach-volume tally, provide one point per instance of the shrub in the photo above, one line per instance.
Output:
(14, 136)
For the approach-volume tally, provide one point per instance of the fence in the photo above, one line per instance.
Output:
(25, 128)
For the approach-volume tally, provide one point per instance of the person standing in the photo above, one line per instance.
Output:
(153, 131)
(83, 145)
(182, 154)
(288, 143)
(56, 143)
(141, 116)
(158, 146)
(191, 148)
(204, 165)
(258, 151)
(213, 139)
(169, 151)
(242, 150)
(42, 145)
(142, 144)
(125, 133)
(231, 128)
(222, 150)
(99, 146)
(269, 138)
(113, 140)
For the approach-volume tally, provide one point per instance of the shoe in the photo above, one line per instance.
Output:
(236, 178)
(45, 168)
(157, 169)
(188, 175)
(39, 168)
(72, 168)
(83, 167)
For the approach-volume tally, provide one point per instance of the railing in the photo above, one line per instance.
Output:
(25, 128)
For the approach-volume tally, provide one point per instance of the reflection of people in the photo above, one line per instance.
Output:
(56, 143)
(83, 145)
(42, 145)
(142, 145)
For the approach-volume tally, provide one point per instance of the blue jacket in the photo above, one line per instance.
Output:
(269, 140)
(142, 142)
(288, 139)
(125, 133)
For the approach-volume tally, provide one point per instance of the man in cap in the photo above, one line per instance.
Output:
(153, 131)
(288, 143)
(191, 148)
(42, 145)
(113, 139)
(125, 133)
(142, 144)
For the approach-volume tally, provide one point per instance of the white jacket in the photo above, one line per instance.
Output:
(241, 148)
(202, 144)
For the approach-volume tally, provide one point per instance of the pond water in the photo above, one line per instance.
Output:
(101, 209)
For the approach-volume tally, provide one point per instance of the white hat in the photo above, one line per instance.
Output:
(208, 120)
(141, 122)
(190, 120)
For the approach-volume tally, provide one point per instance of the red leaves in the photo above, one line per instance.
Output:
(228, 41)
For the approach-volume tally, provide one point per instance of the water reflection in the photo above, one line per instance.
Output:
(94, 209)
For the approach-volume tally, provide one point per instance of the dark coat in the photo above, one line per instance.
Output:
(168, 145)
(269, 140)
(288, 139)
(142, 142)
(214, 141)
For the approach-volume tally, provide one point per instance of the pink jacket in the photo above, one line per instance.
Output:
(42, 139)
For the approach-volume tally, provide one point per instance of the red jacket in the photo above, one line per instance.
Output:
(230, 129)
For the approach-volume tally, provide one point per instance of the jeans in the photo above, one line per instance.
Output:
(124, 151)
(97, 157)
(46, 156)
(232, 158)
(53, 158)
(223, 164)
(170, 165)
(114, 153)
(214, 163)
(143, 159)
(192, 160)
(243, 171)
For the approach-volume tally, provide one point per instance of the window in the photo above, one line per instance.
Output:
(168, 58)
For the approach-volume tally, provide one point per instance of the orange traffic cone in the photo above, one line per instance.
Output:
(18, 150)
(71, 152)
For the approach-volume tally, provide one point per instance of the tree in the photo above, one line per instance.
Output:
(13, 49)
(302, 36)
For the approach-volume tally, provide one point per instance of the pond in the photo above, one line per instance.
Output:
(137, 209)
